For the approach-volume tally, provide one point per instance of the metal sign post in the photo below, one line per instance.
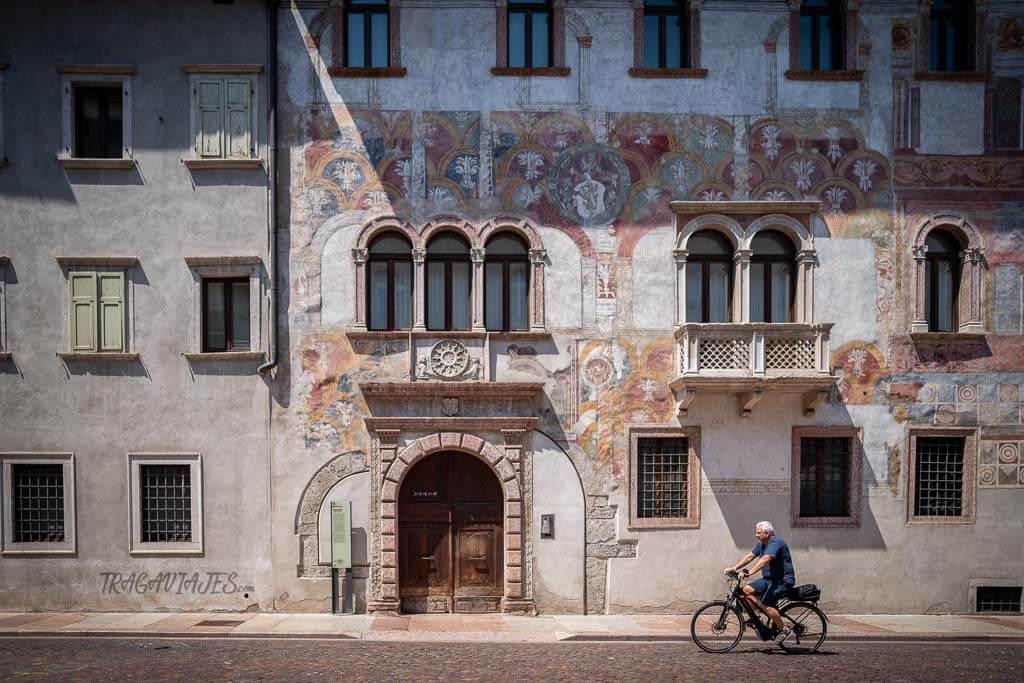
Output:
(341, 555)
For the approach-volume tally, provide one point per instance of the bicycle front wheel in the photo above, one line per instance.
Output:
(717, 627)
(809, 627)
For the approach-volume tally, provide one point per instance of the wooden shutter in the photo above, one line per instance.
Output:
(111, 311)
(238, 117)
(82, 316)
(210, 118)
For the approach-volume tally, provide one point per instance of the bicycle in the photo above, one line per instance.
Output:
(718, 626)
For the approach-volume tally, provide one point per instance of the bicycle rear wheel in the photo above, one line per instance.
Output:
(809, 627)
(717, 627)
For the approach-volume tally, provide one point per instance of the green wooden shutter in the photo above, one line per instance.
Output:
(82, 316)
(210, 118)
(238, 117)
(111, 318)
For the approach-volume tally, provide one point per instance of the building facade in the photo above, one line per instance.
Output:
(569, 295)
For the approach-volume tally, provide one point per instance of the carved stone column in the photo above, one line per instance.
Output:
(477, 288)
(805, 261)
(680, 258)
(419, 257)
(519, 528)
(920, 321)
(383, 525)
(741, 284)
(360, 256)
(971, 290)
(537, 312)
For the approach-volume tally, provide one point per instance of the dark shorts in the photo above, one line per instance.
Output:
(770, 592)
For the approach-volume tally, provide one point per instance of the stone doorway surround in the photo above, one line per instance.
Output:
(426, 425)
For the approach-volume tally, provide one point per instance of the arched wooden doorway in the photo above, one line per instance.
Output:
(450, 555)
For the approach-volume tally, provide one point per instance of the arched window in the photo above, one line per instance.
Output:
(941, 281)
(506, 284)
(951, 35)
(821, 35)
(772, 281)
(389, 283)
(708, 278)
(448, 283)
(665, 34)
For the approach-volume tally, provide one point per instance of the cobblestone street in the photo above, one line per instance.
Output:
(109, 659)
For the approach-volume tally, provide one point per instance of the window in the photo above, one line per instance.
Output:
(821, 35)
(998, 599)
(942, 281)
(826, 467)
(506, 284)
(941, 481)
(951, 35)
(226, 314)
(708, 278)
(1005, 115)
(530, 34)
(772, 282)
(449, 282)
(666, 35)
(366, 34)
(166, 501)
(98, 122)
(96, 316)
(664, 477)
(389, 283)
(39, 498)
(223, 115)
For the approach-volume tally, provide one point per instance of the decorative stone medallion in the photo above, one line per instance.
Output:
(589, 184)
(448, 360)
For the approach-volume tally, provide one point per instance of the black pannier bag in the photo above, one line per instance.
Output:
(808, 591)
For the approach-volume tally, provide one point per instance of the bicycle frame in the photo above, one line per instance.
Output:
(763, 630)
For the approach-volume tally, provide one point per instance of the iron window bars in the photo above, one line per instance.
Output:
(663, 474)
(939, 481)
(165, 493)
(38, 503)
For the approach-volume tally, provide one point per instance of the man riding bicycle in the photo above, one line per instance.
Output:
(777, 576)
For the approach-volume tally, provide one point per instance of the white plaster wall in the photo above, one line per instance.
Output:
(654, 278)
(952, 118)
(563, 281)
(338, 278)
(355, 488)
(558, 561)
(845, 287)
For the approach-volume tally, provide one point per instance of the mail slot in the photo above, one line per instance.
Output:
(547, 526)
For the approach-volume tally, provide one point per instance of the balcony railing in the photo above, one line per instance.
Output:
(753, 350)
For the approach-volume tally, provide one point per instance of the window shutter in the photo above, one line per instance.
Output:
(210, 118)
(82, 316)
(111, 302)
(239, 93)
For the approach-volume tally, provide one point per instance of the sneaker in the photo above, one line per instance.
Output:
(786, 633)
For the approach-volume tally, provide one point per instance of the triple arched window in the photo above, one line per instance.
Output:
(452, 282)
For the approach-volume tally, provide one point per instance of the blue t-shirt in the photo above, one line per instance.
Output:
(780, 568)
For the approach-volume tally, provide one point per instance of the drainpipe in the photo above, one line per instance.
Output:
(272, 182)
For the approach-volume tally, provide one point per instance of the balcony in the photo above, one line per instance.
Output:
(751, 359)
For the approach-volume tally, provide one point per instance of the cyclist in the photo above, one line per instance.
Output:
(777, 576)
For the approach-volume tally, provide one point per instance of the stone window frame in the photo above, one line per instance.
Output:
(336, 19)
(69, 546)
(125, 264)
(638, 70)
(199, 72)
(741, 239)
(970, 470)
(557, 68)
(692, 435)
(851, 46)
(981, 66)
(855, 435)
(970, 300)
(204, 267)
(95, 74)
(477, 237)
(135, 544)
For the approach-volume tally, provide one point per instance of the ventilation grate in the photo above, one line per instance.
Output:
(998, 599)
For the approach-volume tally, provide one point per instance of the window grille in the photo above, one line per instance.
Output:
(38, 505)
(998, 599)
(824, 477)
(663, 475)
(166, 503)
(939, 482)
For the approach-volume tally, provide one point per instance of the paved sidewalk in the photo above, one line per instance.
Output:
(481, 627)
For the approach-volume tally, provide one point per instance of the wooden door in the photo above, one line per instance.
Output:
(450, 549)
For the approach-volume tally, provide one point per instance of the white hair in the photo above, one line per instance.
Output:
(765, 526)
